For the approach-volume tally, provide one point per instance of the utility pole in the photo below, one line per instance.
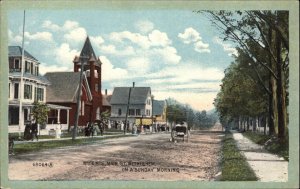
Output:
(128, 102)
(78, 100)
(21, 90)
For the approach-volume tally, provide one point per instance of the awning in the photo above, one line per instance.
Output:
(145, 121)
(56, 107)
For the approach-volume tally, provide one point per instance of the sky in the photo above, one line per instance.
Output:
(178, 53)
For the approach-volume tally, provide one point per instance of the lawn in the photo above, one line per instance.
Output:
(234, 165)
(270, 143)
(37, 146)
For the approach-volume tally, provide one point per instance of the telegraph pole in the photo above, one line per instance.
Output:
(128, 102)
(21, 118)
(78, 100)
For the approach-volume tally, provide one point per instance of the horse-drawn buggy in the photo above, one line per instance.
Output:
(180, 131)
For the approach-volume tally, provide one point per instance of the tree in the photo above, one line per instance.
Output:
(262, 37)
(40, 112)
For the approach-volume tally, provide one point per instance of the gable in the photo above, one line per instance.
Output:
(64, 86)
(138, 95)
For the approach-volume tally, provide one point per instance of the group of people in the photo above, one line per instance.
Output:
(93, 128)
(31, 131)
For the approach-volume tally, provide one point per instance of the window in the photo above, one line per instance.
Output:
(119, 112)
(96, 87)
(37, 70)
(16, 91)
(17, 64)
(26, 66)
(9, 90)
(98, 113)
(27, 91)
(148, 112)
(31, 68)
(138, 112)
(148, 101)
(82, 108)
(131, 112)
(39, 94)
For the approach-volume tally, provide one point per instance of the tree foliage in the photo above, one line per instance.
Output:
(257, 82)
(40, 112)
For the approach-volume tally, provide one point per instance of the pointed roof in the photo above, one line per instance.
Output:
(88, 51)
(138, 95)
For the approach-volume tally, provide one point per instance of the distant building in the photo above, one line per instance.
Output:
(106, 102)
(160, 111)
(140, 105)
(34, 88)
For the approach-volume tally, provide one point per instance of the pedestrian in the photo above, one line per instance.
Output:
(34, 130)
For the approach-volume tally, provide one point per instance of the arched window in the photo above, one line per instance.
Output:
(98, 113)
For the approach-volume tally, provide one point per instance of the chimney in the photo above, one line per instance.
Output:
(133, 84)
(105, 91)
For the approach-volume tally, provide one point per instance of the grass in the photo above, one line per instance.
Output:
(37, 146)
(234, 165)
(271, 143)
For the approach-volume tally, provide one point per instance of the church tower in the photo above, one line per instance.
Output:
(92, 69)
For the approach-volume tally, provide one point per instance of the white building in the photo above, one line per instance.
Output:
(34, 88)
(140, 105)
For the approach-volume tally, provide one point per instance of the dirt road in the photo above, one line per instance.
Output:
(144, 157)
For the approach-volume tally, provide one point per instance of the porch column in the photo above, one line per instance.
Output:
(68, 117)
(58, 116)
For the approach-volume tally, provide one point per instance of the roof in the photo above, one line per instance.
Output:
(17, 51)
(88, 51)
(63, 86)
(138, 95)
(105, 100)
(39, 78)
(158, 107)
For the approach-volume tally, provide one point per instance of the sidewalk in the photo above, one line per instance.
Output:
(267, 167)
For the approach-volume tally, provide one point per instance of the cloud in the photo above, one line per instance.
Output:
(158, 38)
(70, 25)
(41, 36)
(189, 35)
(109, 72)
(64, 55)
(155, 38)
(187, 72)
(15, 40)
(49, 25)
(201, 47)
(97, 40)
(138, 65)
(76, 35)
(135, 38)
(144, 26)
(52, 68)
(226, 46)
(111, 49)
(168, 54)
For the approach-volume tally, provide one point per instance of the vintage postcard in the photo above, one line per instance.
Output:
(149, 94)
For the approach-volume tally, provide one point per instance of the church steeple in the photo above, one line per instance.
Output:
(92, 68)
(87, 50)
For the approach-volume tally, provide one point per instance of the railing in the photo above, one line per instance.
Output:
(15, 70)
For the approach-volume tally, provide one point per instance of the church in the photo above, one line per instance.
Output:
(65, 85)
